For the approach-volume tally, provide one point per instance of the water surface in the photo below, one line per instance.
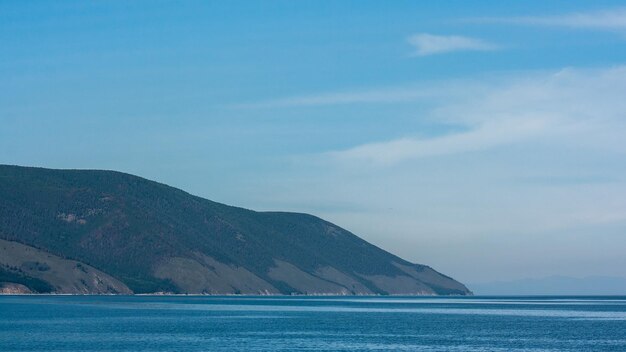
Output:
(204, 323)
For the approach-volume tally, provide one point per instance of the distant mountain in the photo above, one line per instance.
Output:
(87, 231)
(554, 285)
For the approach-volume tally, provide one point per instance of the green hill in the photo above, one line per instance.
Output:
(156, 238)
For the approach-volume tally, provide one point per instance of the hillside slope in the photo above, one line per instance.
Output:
(155, 238)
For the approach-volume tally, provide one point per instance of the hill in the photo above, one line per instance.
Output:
(79, 231)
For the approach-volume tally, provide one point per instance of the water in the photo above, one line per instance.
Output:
(141, 323)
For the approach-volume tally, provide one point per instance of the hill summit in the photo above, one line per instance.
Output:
(89, 231)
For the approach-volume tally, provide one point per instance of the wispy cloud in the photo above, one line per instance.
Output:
(379, 96)
(481, 137)
(608, 19)
(470, 185)
(430, 44)
(583, 107)
(376, 96)
(430, 91)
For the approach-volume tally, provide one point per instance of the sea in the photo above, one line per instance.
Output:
(240, 323)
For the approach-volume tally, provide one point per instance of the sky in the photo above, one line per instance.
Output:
(486, 138)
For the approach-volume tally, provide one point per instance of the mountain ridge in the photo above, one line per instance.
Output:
(152, 237)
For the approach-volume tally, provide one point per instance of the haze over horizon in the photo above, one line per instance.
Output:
(483, 139)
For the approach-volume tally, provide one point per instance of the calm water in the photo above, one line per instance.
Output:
(94, 323)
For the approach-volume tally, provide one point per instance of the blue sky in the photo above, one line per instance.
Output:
(483, 138)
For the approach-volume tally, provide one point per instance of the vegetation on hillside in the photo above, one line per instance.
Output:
(14, 275)
(124, 225)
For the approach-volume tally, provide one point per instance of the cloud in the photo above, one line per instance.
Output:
(390, 95)
(469, 194)
(429, 44)
(393, 95)
(482, 137)
(609, 19)
(580, 107)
